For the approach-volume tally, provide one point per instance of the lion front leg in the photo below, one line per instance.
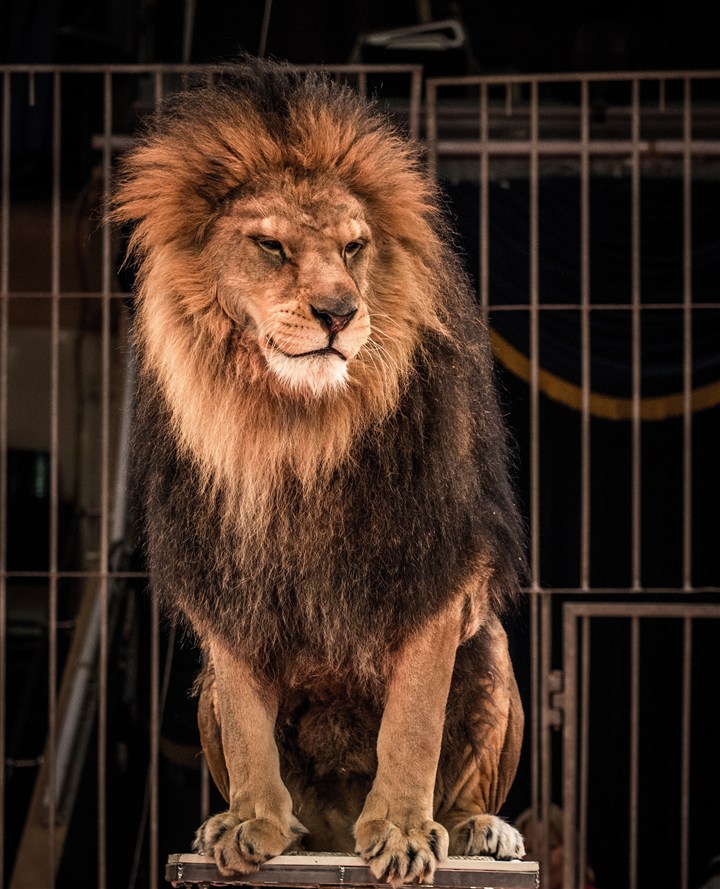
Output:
(396, 833)
(259, 822)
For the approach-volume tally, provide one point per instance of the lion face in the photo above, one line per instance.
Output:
(292, 272)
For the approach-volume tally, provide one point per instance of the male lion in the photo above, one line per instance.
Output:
(324, 477)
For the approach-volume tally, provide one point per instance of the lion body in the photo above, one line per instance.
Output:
(321, 457)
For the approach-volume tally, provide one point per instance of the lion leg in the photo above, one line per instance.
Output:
(481, 748)
(396, 833)
(259, 822)
(210, 736)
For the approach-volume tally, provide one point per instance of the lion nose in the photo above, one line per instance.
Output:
(334, 317)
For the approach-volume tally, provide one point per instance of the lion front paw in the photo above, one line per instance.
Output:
(486, 835)
(401, 856)
(242, 846)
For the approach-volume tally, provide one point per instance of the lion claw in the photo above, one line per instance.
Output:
(487, 835)
(400, 856)
(242, 846)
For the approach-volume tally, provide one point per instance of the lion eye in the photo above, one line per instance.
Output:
(269, 245)
(352, 249)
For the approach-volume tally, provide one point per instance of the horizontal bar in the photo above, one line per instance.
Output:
(639, 609)
(564, 147)
(73, 575)
(192, 68)
(348, 870)
(592, 77)
(557, 591)
(19, 295)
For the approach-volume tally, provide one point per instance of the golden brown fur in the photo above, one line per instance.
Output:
(324, 476)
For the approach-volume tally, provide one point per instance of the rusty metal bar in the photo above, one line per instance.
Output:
(687, 337)
(415, 111)
(585, 337)
(546, 614)
(570, 748)
(51, 747)
(105, 510)
(540, 742)
(534, 348)
(4, 346)
(555, 591)
(636, 504)
(685, 755)
(198, 68)
(584, 751)
(642, 609)
(484, 270)
(574, 77)
(505, 307)
(535, 709)
(508, 100)
(634, 749)
(574, 147)
(154, 772)
(431, 131)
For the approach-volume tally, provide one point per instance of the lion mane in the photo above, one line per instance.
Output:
(307, 511)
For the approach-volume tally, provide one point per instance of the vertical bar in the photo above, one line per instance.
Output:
(534, 346)
(416, 85)
(634, 747)
(545, 748)
(687, 337)
(104, 493)
(536, 709)
(585, 335)
(4, 342)
(570, 746)
(685, 754)
(636, 342)
(362, 83)
(431, 126)
(51, 753)
(153, 826)
(584, 751)
(545, 598)
(539, 680)
(484, 253)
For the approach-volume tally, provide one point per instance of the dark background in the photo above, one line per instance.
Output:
(515, 35)
(512, 36)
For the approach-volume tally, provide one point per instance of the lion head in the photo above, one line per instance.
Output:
(292, 270)
(288, 248)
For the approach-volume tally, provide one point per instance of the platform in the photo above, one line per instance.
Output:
(335, 871)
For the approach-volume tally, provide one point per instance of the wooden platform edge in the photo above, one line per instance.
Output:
(320, 871)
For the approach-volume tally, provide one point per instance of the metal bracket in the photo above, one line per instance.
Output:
(556, 699)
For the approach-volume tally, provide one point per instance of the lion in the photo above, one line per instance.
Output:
(324, 476)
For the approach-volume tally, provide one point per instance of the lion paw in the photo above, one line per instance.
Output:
(398, 856)
(487, 835)
(242, 846)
